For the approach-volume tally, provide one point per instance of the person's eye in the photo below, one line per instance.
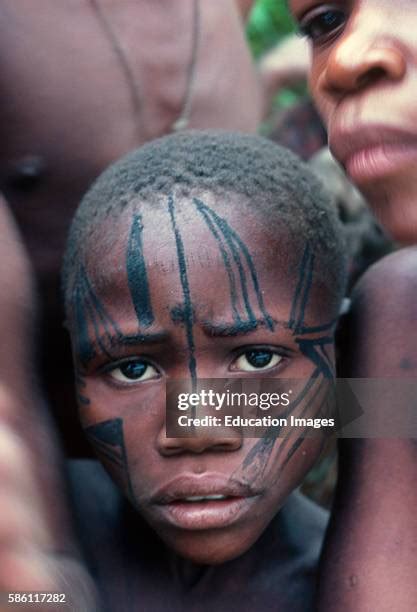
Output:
(133, 371)
(254, 360)
(322, 23)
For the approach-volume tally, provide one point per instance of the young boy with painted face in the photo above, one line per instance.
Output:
(200, 255)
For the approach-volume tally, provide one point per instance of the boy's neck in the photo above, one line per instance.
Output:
(271, 548)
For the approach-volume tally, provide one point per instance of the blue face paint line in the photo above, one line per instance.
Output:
(187, 306)
(295, 445)
(325, 355)
(104, 331)
(80, 384)
(225, 230)
(254, 277)
(83, 345)
(257, 459)
(265, 444)
(108, 439)
(294, 448)
(109, 324)
(309, 348)
(137, 277)
(316, 388)
(238, 247)
(306, 292)
(137, 339)
(318, 328)
(82, 399)
(224, 331)
(315, 349)
(225, 256)
(91, 314)
(88, 309)
(305, 279)
(177, 314)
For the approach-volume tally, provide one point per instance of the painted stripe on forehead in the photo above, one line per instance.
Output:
(240, 254)
(89, 309)
(137, 277)
(302, 292)
(226, 260)
(187, 305)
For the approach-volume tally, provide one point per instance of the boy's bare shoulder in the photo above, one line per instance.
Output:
(392, 279)
(95, 499)
(98, 508)
(380, 327)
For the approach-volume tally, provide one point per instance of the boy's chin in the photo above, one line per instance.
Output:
(210, 548)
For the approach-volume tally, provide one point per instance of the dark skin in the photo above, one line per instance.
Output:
(377, 475)
(190, 550)
(135, 569)
(79, 96)
(38, 550)
(73, 102)
(364, 80)
(364, 51)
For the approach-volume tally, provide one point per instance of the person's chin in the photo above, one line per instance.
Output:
(396, 210)
(211, 547)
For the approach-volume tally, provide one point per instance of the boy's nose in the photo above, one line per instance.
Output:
(205, 440)
(361, 57)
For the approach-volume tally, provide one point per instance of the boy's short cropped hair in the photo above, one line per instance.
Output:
(269, 178)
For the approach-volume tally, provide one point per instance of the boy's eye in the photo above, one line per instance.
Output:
(320, 24)
(135, 370)
(256, 359)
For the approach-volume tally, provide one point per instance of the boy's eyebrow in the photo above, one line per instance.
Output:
(107, 341)
(141, 338)
(226, 328)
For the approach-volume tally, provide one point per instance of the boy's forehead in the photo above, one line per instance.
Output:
(225, 257)
(205, 235)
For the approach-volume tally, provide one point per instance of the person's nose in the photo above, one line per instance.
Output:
(361, 57)
(209, 439)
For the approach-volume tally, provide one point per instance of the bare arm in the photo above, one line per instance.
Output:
(370, 555)
(37, 548)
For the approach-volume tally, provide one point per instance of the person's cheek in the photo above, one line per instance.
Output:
(315, 82)
(102, 413)
(144, 418)
(294, 459)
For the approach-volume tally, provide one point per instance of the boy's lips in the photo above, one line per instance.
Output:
(371, 152)
(208, 501)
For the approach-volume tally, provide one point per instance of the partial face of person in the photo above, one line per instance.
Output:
(185, 291)
(364, 82)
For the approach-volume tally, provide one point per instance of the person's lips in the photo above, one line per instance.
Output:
(209, 501)
(369, 153)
